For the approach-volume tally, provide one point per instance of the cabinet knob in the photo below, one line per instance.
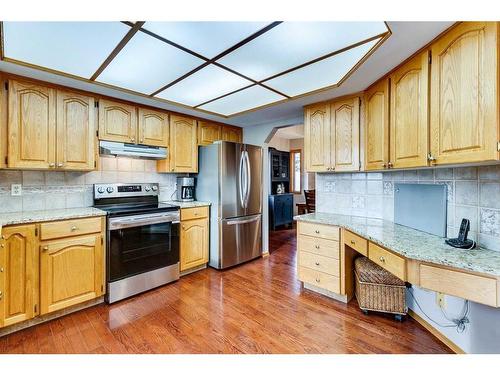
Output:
(316, 246)
(316, 263)
(316, 231)
(430, 157)
(318, 280)
(382, 259)
(52, 165)
(45, 248)
(1, 295)
(384, 165)
(73, 228)
(389, 165)
(1, 269)
(60, 165)
(353, 242)
(141, 140)
(132, 139)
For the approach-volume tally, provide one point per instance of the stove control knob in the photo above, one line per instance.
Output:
(110, 189)
(155, 188)
(147, 188)
(100, 190)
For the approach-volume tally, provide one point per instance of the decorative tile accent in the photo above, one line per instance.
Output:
(388, 188)
(358, 201)
(490, 222)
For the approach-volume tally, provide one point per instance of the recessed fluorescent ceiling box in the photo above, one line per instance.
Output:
(225, 68)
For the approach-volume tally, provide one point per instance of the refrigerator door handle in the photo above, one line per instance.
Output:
(243, 221)
(248, 178)
(240, 181)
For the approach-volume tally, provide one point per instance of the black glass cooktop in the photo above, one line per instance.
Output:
(122, 209)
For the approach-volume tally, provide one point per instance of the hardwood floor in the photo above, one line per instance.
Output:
(258, 307)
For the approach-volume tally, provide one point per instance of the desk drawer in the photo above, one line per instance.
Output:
(328, 232)
(319, 263)
(385, 259)
(67, 228)
(319, 279)
(464, 285)
(194, 213)
(319, 246)
(356, 242)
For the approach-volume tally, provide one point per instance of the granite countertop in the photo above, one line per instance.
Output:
(188, 204)
(22, 217)
(412, 243)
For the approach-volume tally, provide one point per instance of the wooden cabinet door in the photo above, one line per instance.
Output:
(344, 141)
(317, 138)
(409, 135)
(377, 126)
(464, 94)
(32, 126)
(208, 133)
(183, 144)
(117, 122)
(194, 243)
(71, 272)
(153, 128)
(231, 134)
(76, 131)
(18, 274)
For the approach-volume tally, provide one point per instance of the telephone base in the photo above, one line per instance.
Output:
(455, 242)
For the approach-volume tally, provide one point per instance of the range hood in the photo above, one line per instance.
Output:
(132, 150)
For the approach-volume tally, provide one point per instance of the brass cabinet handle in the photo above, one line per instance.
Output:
(73, 228)
(60, 165)
(316, 231)
(384, 165)
(316, 263)
(52, 165)
(382, 259)
(430, 157)
(389, 165)
(353, 242)
(316, 246)
(1, 269)
(45, 248)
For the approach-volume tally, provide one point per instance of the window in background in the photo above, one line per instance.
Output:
(296, 174)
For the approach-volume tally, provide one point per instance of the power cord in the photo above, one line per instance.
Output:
(458, 323)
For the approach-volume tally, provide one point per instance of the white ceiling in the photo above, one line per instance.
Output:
(406, 38)
(291, 132)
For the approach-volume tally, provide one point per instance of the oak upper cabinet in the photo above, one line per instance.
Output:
(117, 121)
(71, 272)
(464, 94)
(76, 131)
(208, 133)
(18, 274)
(183, 152)
(409, 113)
(344, 142)
(194, 238)
(231, 134)
(31, 126)
(317, 138)
(153, 128)
(377, 126)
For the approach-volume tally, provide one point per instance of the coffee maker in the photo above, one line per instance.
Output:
(185, 189)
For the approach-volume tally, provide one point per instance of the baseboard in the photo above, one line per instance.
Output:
(265, 254)
(191, 270)
(445, 340)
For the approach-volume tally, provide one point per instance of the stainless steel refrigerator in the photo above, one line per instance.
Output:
(230, 176)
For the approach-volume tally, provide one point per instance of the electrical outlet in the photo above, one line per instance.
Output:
(16, 189)
(440, 300)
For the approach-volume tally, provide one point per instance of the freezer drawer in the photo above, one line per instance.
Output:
(240, 240)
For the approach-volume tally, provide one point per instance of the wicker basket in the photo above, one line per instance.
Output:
(377, 289)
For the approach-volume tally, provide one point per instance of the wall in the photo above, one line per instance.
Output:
(52, 190)
(308, 179)
(473, 193)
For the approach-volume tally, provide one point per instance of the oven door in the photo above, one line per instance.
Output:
(142, 243)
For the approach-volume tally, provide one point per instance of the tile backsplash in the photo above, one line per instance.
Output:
(51, 189)
(473, 193)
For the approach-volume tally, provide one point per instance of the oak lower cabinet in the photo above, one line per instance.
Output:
(464, 94)
(409, 134)
(194, 245)
(117, 121)
(231, 134)
(18, 274)
(71, 272)
(183, 152)
(50, 129)
(377, 126)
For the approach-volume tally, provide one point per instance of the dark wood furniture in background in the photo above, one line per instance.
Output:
(310, 200)
(301, 208)
(280, 198)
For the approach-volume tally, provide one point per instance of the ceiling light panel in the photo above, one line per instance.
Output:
(243, 100)
(146, 64)
(204, 85)
(321, 74)
(206, 38)
(76, 48)
(293, 43)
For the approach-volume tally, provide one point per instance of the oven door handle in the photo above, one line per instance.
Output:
(139, 222)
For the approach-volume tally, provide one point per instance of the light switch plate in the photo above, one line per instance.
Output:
(16, 189)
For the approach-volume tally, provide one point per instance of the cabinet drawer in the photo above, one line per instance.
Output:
(356, 242)
(67, 228)
(320, 263)
(319, 279)
(319, 246)
(385, 259)
(328, 232)
(194, 213)
(464, 285)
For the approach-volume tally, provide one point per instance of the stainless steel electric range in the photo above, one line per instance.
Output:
(142, 238)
